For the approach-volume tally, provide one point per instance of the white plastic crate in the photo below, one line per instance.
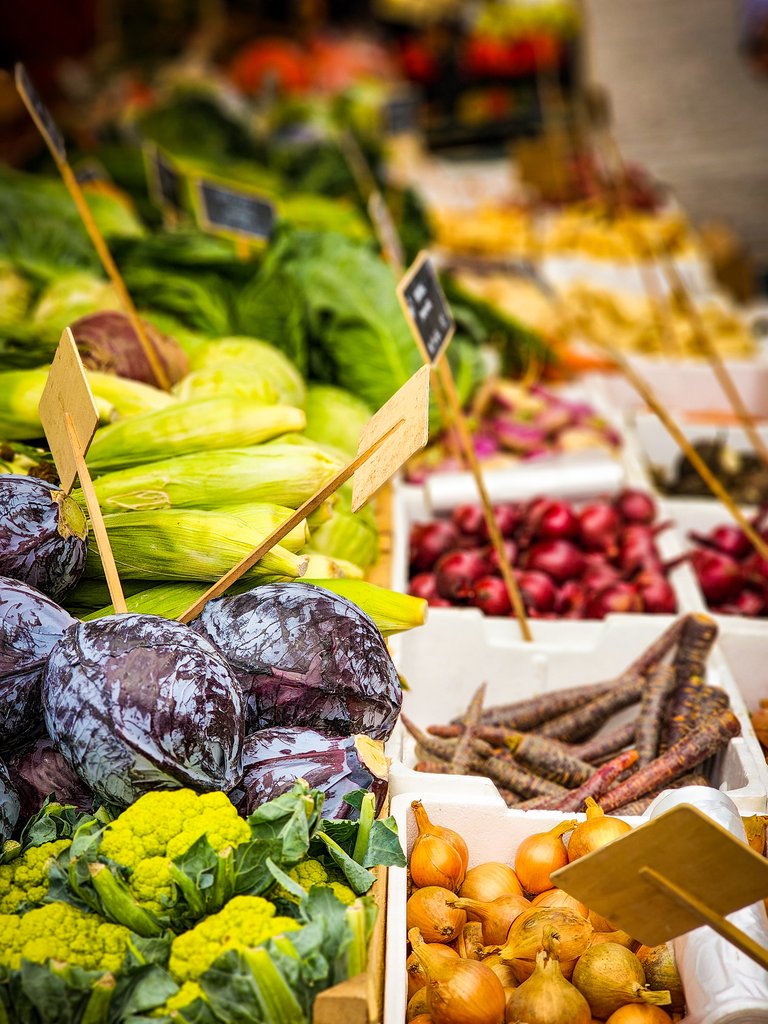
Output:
(493, 832)
(627, 277)
(446, 660)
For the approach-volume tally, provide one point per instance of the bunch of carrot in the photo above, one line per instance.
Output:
(551, 752)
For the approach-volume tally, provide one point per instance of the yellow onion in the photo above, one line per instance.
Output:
(621, 938)
(558, 898)
(423, 1018)
(661, 972)
(609, 975)
(490, 880)
(495, 916)
(430, 910)
(541, 854)
(439, 855)
(534, 927)
(503, 972)
(416, 977)
(601, 924)
(639, 1013)
(470, 944)
(459, 991)
(547, 998)
(417, 1005)
(597, 831)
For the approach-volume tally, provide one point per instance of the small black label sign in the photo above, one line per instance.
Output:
(41, 115)
(230, 211)
(401, 114)
(427, 308)
(164, 180)
(90, 171)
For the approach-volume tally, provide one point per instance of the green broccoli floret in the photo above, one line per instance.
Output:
(162, 825)
(245, 921)
(61, 932)
(25, 880)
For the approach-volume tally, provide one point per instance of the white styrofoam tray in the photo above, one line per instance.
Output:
(493, 832)
(444, 662)
(576, 483)
(627, 277)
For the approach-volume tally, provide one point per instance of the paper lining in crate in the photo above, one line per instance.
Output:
(444, 662)
(493, 832)
(579, 483)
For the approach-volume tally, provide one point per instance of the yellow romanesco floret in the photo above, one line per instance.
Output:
(59, 931)
(162, 825)
(244, 921)
(309, 873)
(342, 893)
(25, 880)
(188, 993)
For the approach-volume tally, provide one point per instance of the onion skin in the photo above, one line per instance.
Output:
(429, 909)
(459, 992)
(639, 1013)
(489, 880)
(422, 1018)
(529, 931)
(417, 1006)
(439, 856)
(416, 977)
(609, 976)
(619, 937)
(539, 855)
(597, 831)
(601, 924)
(495, 916)
(661, 972)
(558, 898)
(547, 998)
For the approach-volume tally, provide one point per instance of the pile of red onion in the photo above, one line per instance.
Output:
(571, 562)
(733, 576)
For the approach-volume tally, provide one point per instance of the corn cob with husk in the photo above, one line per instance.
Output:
(185, 427)
(283, 474)
(392, 612)
(187, 544)
(264, 517)
(347, 536)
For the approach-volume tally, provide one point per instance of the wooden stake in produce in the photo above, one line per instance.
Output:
(432, 324)
(676, 873)
(645, 391)
(69, 417)
(55, 142)
(396, 432)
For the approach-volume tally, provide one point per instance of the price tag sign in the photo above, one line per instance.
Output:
(401, 113)
(41, 115)
(163, 179)
(233, 212)
(665, 878)
(426, 308)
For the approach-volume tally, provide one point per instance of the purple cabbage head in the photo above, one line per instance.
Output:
(138, 702)
(273, 759)
(305, 657)
(41, 771)
(30, 625)
(43, 534)
(9, 805)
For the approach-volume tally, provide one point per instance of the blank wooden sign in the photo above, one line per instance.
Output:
(408, 407)
(632, 881)
(67, 393)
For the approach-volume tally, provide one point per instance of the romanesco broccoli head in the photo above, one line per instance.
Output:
(308, 873)
(245, 921)
(343, 893)
(58, 931)
(25, 880)
(188, 993)
(163, 825)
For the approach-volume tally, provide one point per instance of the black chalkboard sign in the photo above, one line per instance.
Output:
(90, 171)
(401, 114)
(427, 308)
(230, 211)
(41, 115)
(164, 180)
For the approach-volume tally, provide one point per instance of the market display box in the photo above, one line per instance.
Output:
(446, 660)
(493, 832)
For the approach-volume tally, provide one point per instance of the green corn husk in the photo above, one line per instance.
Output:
(264, 517)
(186, 427)
(283, 474)
(235, 379)
(187, 544)
(349, 537)
(392, 612)
(259, 360)
(128, 397)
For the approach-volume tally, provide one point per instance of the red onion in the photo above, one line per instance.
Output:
(635, 506)
(598, 577)
(748, 602)
(423, 584)
(620, 598)
(510, 549)
(720, 576)
(456, 573)
(558, 519)
(756, 569)
(490, 596)
(429, 541)
(507, 519)
(560, 559)
(638, 546)
(468, 519)
(571, 600)
(537, 590)
(657, 594)
(731, 540)
(598, 525)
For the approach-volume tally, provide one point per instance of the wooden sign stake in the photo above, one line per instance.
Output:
(646, 393)
(69, 418)
(421, 284)
(656, 881)
(45, 125)
(404, 415)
